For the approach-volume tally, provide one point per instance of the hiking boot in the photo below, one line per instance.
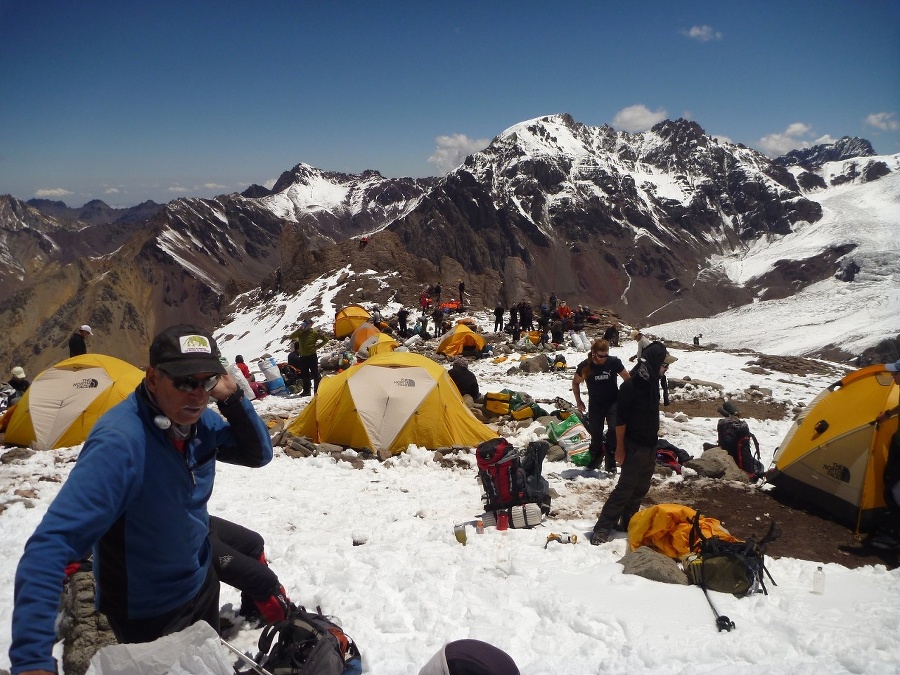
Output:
(489, 519)
(599, 536)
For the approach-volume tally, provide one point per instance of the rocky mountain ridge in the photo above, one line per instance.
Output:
(632, 222)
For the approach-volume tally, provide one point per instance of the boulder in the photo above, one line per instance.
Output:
(653, 565)
(555, 454)
(536, 364)
(717, 463)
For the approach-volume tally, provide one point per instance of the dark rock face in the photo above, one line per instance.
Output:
(528, 197)
(817, 155)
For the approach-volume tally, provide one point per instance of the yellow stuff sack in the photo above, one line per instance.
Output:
(496, 407)
(523, 413)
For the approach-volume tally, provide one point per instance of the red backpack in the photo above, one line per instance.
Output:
(511, 477)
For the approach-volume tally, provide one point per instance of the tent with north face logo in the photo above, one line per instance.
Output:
(388, 402)
(834, 454)
(64, 402)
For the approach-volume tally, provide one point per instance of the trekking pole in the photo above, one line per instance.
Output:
(246, 659)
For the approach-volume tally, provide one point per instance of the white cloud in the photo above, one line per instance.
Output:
(215, 186)
(824, 140)
(48, 193)
(796, 136)
(886, 121)
(452, 150)
(111, 191)
(177, 189)
(702, 33)
(269, 183)
(638, 118)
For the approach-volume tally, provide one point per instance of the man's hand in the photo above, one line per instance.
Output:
(620, 455)
(580, 405)
(224, 388)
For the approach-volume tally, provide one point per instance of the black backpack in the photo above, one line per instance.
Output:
(510, 476)
(736, 567)
(735, 438)
(307, 643)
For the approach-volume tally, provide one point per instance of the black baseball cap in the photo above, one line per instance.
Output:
(185, 350)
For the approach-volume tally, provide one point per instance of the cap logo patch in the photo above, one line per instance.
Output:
(194, 344)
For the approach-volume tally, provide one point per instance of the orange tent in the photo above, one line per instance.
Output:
(361, 335)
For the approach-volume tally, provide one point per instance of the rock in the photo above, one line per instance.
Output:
(299, 447)
(675, 383)
(555, 454)
(536, 364)
(16, 454)
(330, 448)
(717, 463)
(653, 565)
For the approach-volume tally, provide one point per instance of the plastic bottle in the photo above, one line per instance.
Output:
(238, 376)
(479, 526)
(818, 581)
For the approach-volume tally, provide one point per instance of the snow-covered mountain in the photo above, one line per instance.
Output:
(660, 226)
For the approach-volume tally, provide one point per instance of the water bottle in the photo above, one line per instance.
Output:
(238, 377)
(818, 581)
(479, 526)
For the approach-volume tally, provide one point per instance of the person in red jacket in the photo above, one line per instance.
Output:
(245, 371)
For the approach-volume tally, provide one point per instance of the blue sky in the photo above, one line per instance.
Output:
(126, 101)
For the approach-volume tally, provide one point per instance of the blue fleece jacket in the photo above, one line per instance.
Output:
(142, 505)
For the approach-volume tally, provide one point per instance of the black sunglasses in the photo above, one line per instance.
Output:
(188, 383)
(598, 354)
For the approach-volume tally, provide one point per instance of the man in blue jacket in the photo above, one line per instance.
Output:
(138, 497)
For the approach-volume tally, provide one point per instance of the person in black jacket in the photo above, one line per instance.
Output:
(402, 318)
(464, 378)
(599, 372)
(637, 431)
(498, 317)
(77, 344)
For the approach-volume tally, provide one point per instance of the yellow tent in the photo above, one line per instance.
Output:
(349, 319)
(459, 338)
(364, 335)
(834, 454)
(388, 402)
(64, 402)
(380, 343)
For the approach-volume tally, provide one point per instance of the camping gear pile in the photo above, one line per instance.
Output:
(733, 436)
(515, 492)
(710, 556)
(517, 404)
(572, 436)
